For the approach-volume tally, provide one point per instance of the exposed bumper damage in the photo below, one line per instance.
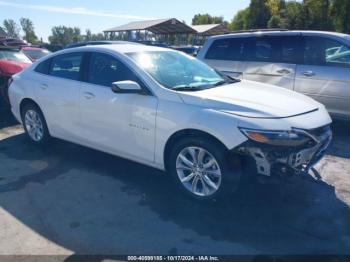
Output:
(299, 159)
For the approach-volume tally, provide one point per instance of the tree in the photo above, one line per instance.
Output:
(28, 29)
(203, 19)
(259, 14)
(294, 15)
(317, 14)
(11, 28)
(62, 35)
(240, 20)
(340, 12)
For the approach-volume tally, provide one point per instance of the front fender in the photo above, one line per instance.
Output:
(173, 117)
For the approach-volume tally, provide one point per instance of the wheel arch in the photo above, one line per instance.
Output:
(27, 101)
(186, 133)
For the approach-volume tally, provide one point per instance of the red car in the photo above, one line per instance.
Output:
(34, 53)
(12, 61)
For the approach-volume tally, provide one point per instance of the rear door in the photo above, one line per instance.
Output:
(225, 55)
(325, 74)
(57, 92)
(272, 59)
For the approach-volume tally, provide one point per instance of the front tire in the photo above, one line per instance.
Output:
(35, 125)
(200, 167)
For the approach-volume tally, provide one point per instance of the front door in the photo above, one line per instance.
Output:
(123, 124)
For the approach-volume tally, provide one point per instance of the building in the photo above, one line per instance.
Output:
(170, 30)
(204, 31)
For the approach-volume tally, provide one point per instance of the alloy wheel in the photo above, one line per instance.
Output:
(34, 125)
(198, 171)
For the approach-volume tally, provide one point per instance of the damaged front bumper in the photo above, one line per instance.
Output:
(273, 158)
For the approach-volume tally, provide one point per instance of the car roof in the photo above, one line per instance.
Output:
(253, 33)
(119, 48)
(32, 48)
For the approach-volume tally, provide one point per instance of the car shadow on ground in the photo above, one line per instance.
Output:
(341, 139)
(6, 118)
(138, 205)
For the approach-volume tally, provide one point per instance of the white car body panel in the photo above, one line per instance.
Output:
(137, 127)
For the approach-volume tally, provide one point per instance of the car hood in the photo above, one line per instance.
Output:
(252, 99)
(11, 67)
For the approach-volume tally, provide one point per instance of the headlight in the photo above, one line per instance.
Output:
(277, 138)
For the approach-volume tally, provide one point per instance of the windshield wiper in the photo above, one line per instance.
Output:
(186, 88)
(220, 83)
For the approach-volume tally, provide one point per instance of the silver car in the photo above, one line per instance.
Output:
(311, 62)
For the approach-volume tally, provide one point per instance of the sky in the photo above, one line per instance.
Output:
(99, 15)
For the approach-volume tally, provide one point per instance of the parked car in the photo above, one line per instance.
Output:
(170, 111)
(309, 62)
(34, 53)
(190, 50)
(14, 42)
(12, 61)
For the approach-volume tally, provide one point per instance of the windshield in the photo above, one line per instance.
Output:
(15, 56)
(36, 54)
(178, 71)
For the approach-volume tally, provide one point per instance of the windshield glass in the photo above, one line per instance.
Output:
(36, 54)
(178, 71)
(13, 56)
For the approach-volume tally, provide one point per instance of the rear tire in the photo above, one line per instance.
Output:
(200, 167)
(34, 124)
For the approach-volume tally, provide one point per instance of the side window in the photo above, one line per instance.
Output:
(66, 66)
(291, 50)
(105, 69)
(261, 49)
(326, 52)
(273, 49)
(226, 49)
(43, 67)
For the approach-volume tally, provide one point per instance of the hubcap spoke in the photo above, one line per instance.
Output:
(193, 154)
(209, 164)
(187, 178)
(213, 172)
(186, 161)
(209, 182)
(195, 184)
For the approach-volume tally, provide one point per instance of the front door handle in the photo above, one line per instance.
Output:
(283, 71)
(88, 95)
(308, 73)
(44, 86)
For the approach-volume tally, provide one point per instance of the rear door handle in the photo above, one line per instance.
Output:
(309, 73)
(44, 86)
(88, 95)
(283, 71)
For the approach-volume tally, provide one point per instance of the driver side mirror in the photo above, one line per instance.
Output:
(126, 87)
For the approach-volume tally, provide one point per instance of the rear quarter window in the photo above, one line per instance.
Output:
(43, 67)
(226, 49)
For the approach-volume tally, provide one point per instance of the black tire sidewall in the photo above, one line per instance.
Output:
(46, 136)
(230, 176)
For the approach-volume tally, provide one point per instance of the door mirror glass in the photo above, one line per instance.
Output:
(126, 87)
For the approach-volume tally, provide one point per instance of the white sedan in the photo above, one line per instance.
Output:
(170, 111)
